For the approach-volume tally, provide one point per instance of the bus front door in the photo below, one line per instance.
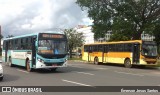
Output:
(136, 53)
(6, 50)
(89, 54)
(33, 51)
(105, 54)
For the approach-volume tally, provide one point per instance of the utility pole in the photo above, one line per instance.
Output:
(0, 37)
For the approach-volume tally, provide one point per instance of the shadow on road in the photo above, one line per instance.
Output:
(134, 66)
(46, 71)
(63, 70)
(8, 78)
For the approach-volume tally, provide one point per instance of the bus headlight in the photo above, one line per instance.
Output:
(65, 60)
(40, 60)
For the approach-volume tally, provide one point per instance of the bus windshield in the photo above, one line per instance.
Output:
(52, 47)
(149, 50)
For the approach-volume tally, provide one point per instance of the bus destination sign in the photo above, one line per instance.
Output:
(52, 36)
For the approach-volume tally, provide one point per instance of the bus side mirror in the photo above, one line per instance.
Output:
(36, 44)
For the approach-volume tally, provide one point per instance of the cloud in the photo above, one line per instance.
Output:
(22, 17)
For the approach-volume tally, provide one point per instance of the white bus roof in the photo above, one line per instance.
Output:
(53, 32)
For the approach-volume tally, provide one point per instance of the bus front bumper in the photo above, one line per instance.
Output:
(40, 65)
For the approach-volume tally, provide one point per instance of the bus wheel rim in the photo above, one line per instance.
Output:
(96, 61)
(10, 63)
(128, 63)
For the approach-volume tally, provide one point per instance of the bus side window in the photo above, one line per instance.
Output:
(19, 44)
(121, 47)
(100, 48)
(10, 44)
(105, 48)
(85, 48)
(94, 48)
(90, 48)
(29, 43)
(16, 44)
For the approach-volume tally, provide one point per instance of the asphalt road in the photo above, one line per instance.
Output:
(82, 74)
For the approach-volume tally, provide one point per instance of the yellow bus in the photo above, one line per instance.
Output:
(134, 52)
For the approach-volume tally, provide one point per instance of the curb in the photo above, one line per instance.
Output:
(78, 61)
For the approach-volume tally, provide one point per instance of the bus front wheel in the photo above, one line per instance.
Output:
(10, 62)
(96, 61)
(127, 63)
(1, 78)
(28, 66)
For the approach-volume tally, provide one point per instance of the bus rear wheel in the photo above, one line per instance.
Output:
(28, 66)
(96, 61)
(127, 63)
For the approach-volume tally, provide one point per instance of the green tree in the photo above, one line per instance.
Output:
(75, 39)
(9, 36)
(157, 35)
(126, 17)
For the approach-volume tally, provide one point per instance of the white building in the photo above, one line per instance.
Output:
(144, 36)
(87, 33)
(147, 37)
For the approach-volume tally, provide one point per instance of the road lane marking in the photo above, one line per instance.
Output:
(128, 73)
(75, 66)
(76, 83)
(101, 68)
(22, 71)
(85, 73)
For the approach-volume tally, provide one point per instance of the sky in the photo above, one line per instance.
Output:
(18, 17)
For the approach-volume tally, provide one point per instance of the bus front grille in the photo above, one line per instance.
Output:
(53, 64)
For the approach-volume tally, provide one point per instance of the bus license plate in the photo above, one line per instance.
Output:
(54, 65)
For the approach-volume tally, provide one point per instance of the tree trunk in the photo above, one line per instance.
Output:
(137, 35)
(70, 53)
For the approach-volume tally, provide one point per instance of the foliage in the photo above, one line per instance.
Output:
(1, 36)
(75, 39)
(125, 17)
(156, 33)
(9, 36)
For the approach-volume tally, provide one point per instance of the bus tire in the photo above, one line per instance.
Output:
(96, 61)
(10, 62)
(1, 78)
(29, 69)
(127, 63)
